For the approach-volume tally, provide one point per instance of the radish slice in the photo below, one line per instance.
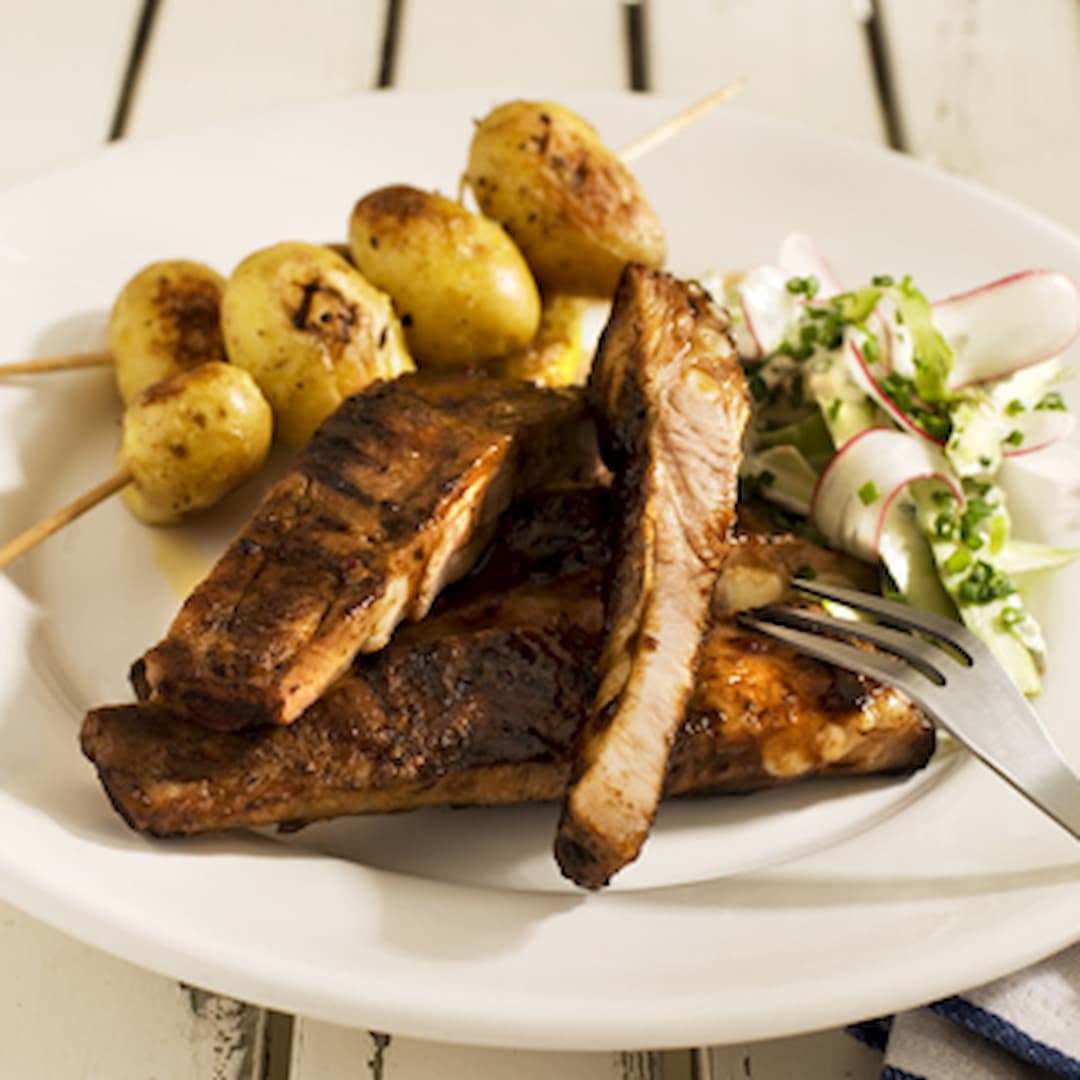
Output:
(1041, 428)
(894, 339)
(800, 258)
(860, 484)
(866, 377)
(1009, 324)
(769, 310)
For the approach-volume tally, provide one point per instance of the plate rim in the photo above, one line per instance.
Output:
(34, 895)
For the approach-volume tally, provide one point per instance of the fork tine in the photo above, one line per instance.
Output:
(902, 616)
(928, 659)
(886, 669)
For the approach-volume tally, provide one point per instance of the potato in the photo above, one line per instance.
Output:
(463, 290)
(166, 319)
(192, 438)
(312, 330)
(556, 356)
(574, 209)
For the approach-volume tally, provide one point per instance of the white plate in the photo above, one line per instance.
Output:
(745, 918)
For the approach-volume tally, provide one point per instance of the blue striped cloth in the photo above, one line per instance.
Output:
(1023, 1027)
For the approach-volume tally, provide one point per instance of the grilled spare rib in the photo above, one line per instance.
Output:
(391, 500)
(481, 703)
(672, 406)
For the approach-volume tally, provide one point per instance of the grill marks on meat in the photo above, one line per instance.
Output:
(483, 701)
(672, 406)
(393, 498)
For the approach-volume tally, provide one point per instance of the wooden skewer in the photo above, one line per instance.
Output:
(56, 521)
(57, 363)
(672, 126)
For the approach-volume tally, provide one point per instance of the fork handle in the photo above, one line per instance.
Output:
(1035, 769)
(1056, 789)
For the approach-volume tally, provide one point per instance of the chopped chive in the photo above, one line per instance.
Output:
(1052, 401)
(1014, 408)
(834, 408)
(869, 493)
(935, 425)
(983, 585)
(882, 281)
(1011, 616)
(978, 509)
(957, 561)
(945, 526)
(807, 286)
(971, 538)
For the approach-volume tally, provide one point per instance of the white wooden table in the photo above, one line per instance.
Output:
(987, 88)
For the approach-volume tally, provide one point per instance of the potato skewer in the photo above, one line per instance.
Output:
(185, 443)
(168, 319)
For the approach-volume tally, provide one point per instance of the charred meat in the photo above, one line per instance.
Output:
(672, 405)
(393, 498)
(482, 703)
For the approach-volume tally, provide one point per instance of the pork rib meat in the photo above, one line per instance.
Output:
(394, 497)
(671, 404)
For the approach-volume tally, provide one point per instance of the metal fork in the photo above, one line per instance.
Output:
(961, 686)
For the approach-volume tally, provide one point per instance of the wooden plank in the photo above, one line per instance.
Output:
(328, 1052)
(557, 45)
(61, 68)
(990, 89)
(209, 60)
(68, 1010)
(824, 1056)
(803, 61)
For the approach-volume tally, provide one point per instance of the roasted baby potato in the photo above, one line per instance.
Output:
(574, 209)
(191, 439)
(463, 289)
(312, 330)
(556, 356)
(166, 319)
